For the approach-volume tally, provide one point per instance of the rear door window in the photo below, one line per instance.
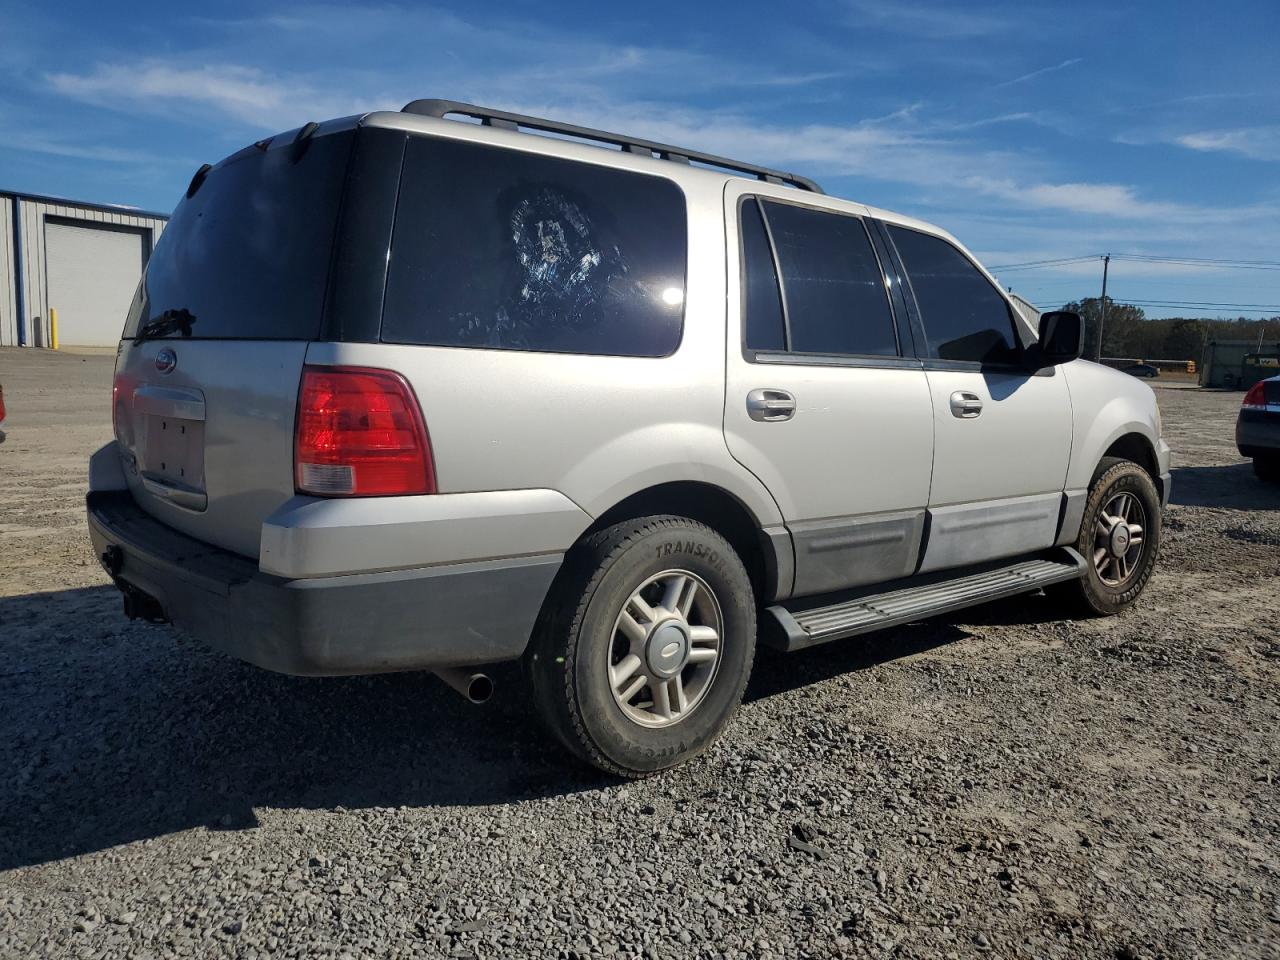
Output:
(509, 250)
(965, 318)
(766, 329)
(832, 283)
(247, 257)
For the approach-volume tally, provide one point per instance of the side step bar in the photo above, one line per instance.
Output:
(806, 623)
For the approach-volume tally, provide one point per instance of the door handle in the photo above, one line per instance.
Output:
(965, 405)
(770, 406)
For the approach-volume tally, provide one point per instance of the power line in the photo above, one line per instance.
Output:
(1214, 263)
(1221, 261)
(1043, 263)
(1202, 303)
(1201, 264)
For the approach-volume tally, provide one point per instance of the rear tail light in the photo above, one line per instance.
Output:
(1, 404)
(360, 434)
(1256, 398)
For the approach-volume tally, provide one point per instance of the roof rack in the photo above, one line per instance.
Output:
(514, 121)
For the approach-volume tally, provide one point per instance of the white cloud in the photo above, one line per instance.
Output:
(631, 87)
(1105, 199)
(248, 94)
(56, 147)
(1259, 143)
(902, 147)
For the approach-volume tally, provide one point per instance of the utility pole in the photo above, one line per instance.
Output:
(1102, 311)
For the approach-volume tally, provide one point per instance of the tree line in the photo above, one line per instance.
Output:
(1128, 333)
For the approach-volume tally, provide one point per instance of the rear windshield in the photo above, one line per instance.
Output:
(509, 250)
(248, 256)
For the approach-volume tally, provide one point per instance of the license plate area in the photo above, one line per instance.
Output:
(173, 452)
(169, 427)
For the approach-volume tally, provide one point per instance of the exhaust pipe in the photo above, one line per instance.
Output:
(475, 686)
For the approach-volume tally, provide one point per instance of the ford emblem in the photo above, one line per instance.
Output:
(166, 360)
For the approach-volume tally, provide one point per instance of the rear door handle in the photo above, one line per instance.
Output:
(769, 405)
(965, 405)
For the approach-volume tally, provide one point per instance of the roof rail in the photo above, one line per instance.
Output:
(514, 121)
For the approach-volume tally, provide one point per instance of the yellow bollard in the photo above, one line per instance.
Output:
(53, 328)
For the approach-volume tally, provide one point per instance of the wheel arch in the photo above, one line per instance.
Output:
(1137, 447)
(766, 552)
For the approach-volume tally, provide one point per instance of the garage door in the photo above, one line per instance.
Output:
(92, 270)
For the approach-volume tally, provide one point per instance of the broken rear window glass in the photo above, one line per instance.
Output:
(515, 251)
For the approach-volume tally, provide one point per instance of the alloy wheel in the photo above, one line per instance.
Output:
(666, 648)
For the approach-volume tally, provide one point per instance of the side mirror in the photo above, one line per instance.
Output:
(1061, 339)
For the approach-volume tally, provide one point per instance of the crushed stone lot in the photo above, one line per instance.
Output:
(1000, 782)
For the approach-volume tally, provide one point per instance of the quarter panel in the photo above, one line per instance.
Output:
(595, 428)
(312, 537)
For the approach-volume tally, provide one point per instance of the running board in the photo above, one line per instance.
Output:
(802, 624)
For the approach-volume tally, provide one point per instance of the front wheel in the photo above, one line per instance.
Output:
(1119, 539)
(645, 649)
(1267, 467)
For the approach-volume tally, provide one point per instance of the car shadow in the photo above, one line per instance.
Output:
(777, 672)
(116, 731)
(1234, 486)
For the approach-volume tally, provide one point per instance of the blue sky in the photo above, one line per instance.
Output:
(1032, 131)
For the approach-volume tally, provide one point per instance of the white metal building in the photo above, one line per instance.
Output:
(81, 259)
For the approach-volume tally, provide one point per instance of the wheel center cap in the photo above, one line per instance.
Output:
(1120, 539)
(667, 649)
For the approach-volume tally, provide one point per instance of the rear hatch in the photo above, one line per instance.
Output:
(207, 374)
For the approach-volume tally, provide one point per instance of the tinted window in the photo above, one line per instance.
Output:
(834, 290)
(765, 328)
(247, 257)
(965, 318)
(509, 250)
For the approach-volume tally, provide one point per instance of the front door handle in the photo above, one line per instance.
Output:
(965, 405)
(769, 406)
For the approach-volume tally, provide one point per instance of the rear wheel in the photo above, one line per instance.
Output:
(644, 652)
(1119, 539)
(1267, 467)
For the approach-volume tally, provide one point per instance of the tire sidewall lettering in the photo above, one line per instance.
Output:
(690, 548)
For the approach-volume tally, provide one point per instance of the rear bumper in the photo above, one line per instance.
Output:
(460, 614)
(1258, 431)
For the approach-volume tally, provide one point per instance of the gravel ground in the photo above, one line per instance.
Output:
(998, 783)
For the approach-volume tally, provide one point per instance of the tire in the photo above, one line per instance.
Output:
(583, 642)
(1105, 592)
(1267, 467)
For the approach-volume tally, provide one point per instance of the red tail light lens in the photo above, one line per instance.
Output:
(1256, 398)
(360, 434)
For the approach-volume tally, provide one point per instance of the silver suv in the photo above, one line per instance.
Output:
(400, 392)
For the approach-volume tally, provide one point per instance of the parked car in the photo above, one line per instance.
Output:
(399, 392)
(1144, 370)
(1258, 428)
